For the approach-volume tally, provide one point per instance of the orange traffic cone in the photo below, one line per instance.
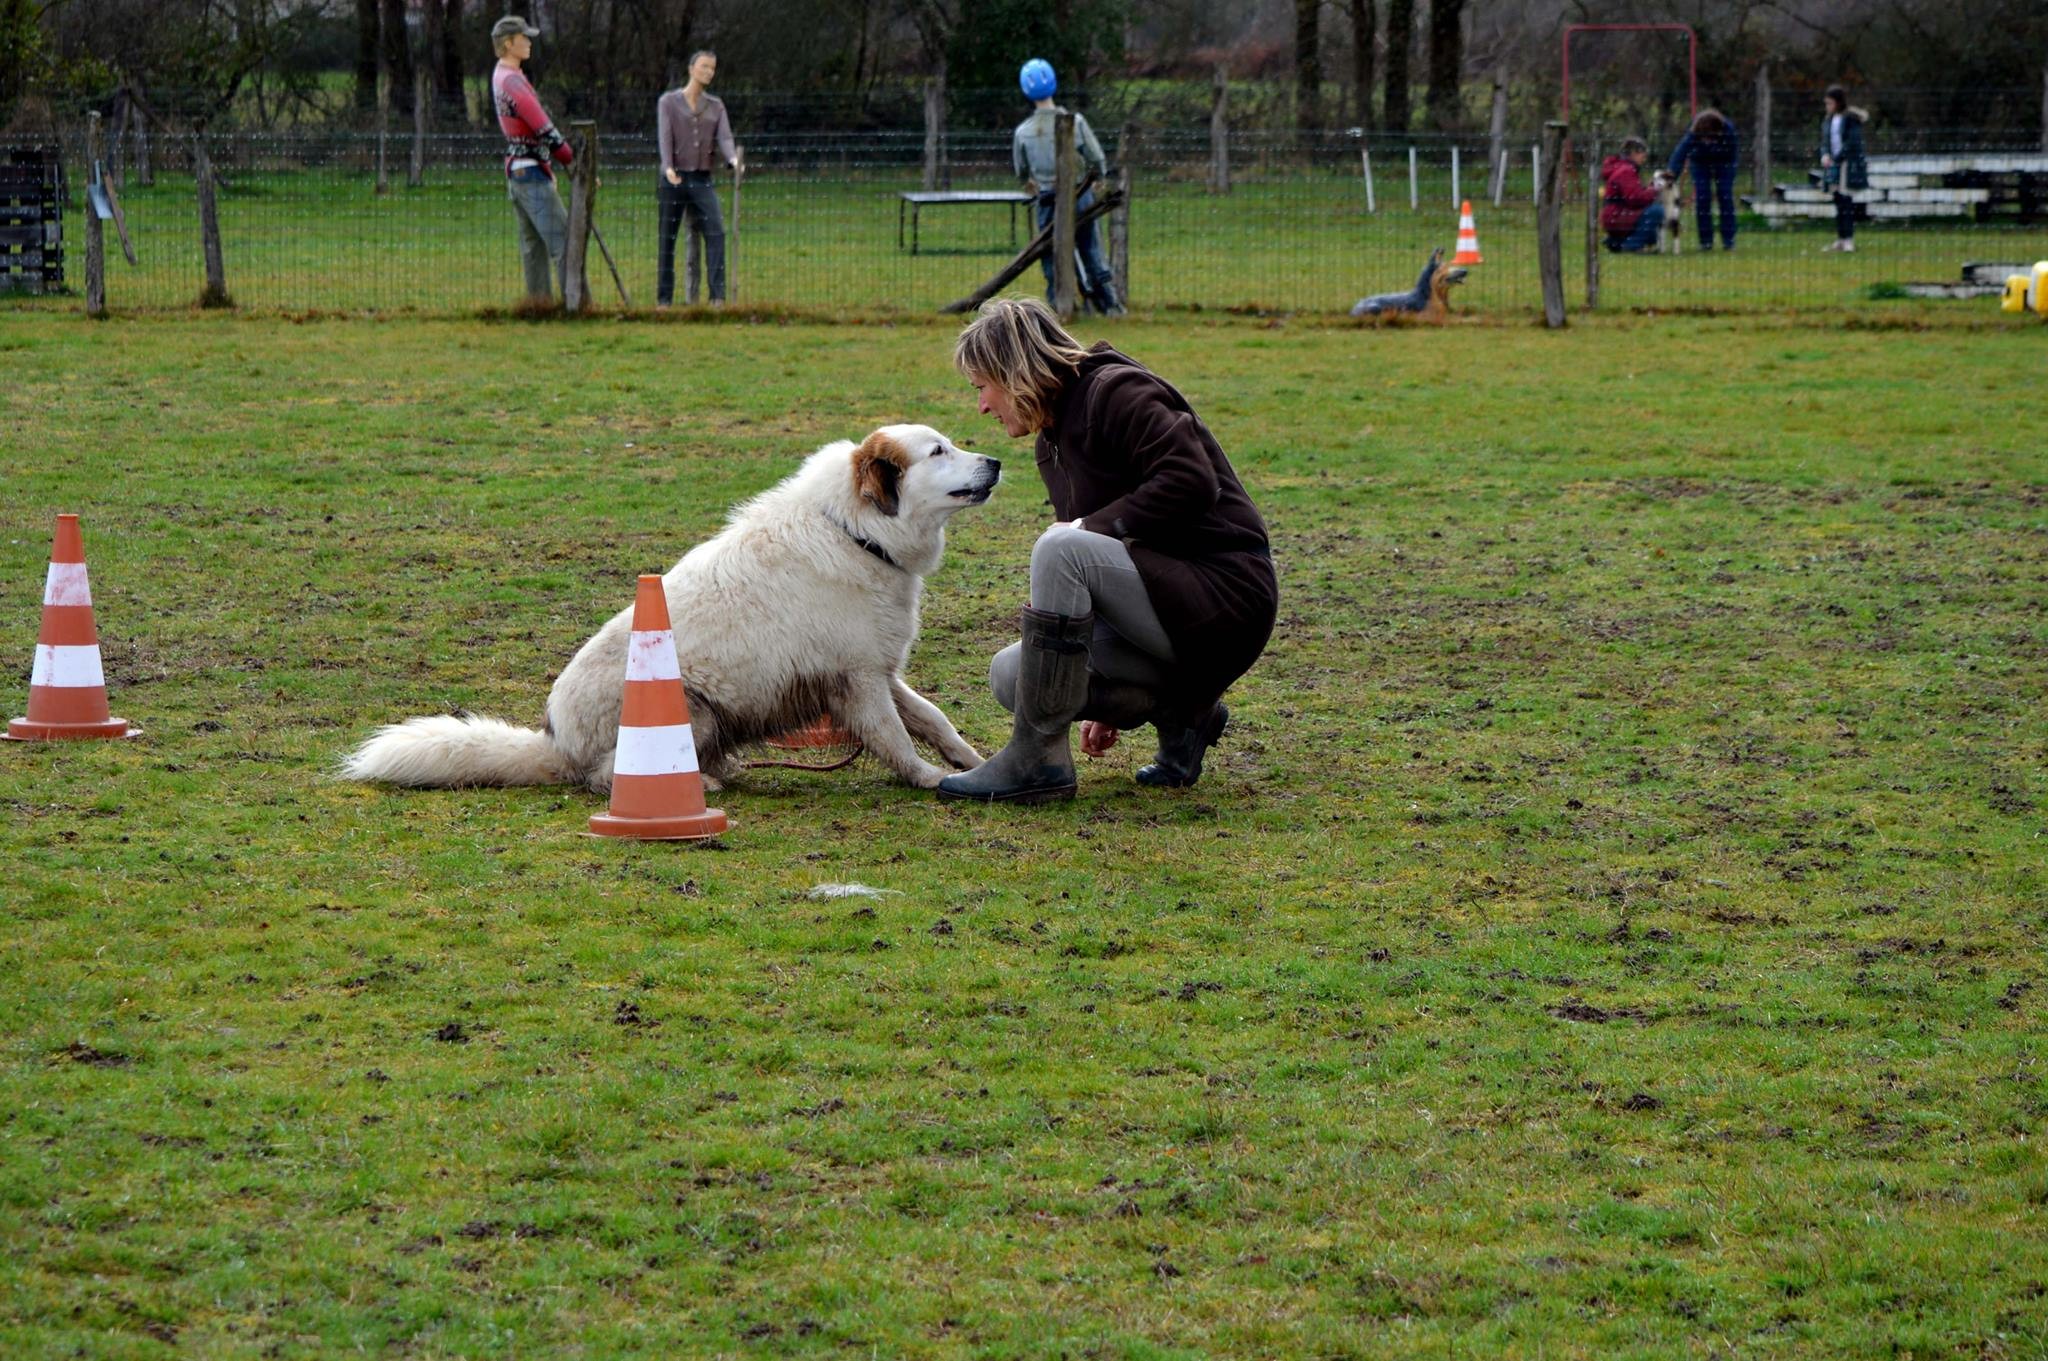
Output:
(1468, 237)
(657, 792)
(820, 732)
(67, 691)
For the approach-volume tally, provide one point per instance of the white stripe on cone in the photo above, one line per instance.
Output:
(68, 666)
(651, 656)
(669, 750)
(66, 585)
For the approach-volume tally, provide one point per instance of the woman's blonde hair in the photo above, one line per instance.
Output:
(1020, 346)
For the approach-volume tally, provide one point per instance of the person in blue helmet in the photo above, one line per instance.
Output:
(1032, 156)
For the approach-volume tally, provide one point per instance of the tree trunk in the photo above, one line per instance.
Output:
(383, 131)
(1219, 135)
(1593, 233)
(444, 53)
(1549, 241)
(95, 234)
(1446, 62)
(416, 169)
(582, 203)
(397, 45)
(216, 291)
(1760, 135)
(1308, 63)
(1400, 38)
(1497, 139)
(936, 173)
(1364, 19)
(367, 28)
(145, 169)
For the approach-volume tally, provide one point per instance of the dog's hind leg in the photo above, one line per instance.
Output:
(868, 709)
(923, 720)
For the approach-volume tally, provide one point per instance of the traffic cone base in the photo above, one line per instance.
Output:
(67, 691)
(820, 732)
(1468, 238)
(657, 790)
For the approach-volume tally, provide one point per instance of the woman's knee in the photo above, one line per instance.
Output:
(1057, 547)
(1002, 675)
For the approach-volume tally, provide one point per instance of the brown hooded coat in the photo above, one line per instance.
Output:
(1127, 456)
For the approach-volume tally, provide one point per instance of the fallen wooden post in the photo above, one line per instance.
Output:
(1033, 248)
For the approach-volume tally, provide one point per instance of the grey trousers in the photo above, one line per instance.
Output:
(1075, 572)
(543, 228)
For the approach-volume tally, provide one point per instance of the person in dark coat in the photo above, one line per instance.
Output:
(1630, 212)
(1153, 590)
(1713, 148)
(1842, 166)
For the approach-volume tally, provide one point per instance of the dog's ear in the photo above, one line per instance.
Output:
(878, 467)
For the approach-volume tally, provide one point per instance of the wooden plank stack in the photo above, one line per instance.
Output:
(2000, 187)
(31, 219)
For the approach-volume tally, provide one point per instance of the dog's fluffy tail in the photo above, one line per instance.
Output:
(450, 751)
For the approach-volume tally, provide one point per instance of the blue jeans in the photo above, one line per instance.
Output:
(1095, 277)
(695, 199)
(543, 227)
(1644, 235)
(1719, 182)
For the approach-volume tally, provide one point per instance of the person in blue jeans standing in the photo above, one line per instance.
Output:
(1031, 155)
(1713, 147)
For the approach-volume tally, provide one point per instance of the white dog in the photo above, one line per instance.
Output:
(1670, 241)
(805, 604)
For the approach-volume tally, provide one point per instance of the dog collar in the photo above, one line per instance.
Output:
(868, 545)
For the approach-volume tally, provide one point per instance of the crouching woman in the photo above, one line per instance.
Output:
(1154, 588)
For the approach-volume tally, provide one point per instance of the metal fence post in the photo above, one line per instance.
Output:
(1065, 288)
(1414, 188)
(1549, 249)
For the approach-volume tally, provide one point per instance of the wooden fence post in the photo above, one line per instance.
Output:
(1120, 216)
(1219, 134)
(582, 202)
(1497, 139)
(1065, 288)
(215, 294)
(1549, 249)
(95, 235)
(416, 170)
(1760, 146)
(1593, 233)
(2044, 110)
(936, 172)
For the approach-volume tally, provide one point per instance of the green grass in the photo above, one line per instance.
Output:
(323, 240)
(1612, 928)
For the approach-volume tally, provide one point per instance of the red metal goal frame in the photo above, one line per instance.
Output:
(1692, 41)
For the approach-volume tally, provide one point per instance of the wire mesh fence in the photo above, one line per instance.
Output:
(1310, 223)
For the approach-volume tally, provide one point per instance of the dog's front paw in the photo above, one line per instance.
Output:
(927, 777)
(967, 758)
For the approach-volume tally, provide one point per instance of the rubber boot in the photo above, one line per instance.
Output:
(1052, 685)
(1179, 763)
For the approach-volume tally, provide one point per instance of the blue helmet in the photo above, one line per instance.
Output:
(1037, 80)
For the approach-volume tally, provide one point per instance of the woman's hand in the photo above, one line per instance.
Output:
(1827, 162)
(1097, 738)
(673, 177)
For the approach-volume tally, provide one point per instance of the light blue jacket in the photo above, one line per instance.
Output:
(1031, 149)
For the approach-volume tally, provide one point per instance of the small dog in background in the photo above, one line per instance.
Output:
(1669, 241)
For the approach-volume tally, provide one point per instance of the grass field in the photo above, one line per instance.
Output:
(826, 240)
(1612, 928)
